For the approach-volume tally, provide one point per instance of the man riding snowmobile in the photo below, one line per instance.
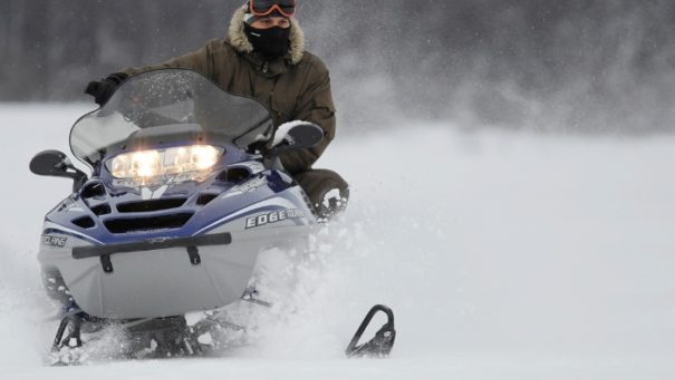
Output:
(263, 57)
(106, 250)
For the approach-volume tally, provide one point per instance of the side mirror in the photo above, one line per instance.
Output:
(56, 164)
(296, 135)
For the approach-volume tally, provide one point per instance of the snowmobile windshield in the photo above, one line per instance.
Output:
(161, 100)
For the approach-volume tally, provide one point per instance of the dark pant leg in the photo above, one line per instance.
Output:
(320, 183)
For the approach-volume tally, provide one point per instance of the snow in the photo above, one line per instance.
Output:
(504, 256)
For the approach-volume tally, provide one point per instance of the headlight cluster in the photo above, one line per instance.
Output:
(145, 165)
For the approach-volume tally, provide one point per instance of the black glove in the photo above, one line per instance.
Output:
(104, 89)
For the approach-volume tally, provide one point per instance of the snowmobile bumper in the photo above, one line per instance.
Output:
(191, 244)
(162, 277)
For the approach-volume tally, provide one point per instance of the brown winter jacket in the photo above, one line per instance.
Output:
(296, 87)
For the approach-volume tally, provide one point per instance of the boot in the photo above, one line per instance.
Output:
(327, 191)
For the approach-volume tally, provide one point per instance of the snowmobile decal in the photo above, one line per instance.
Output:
(55, 241)
(274, 217)
(147, 193)
(247, 187)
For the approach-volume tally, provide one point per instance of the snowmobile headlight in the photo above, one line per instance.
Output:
(144, 165)
(190, 159)
(139, 164)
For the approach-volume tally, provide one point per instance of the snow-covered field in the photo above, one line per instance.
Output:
(505, 256)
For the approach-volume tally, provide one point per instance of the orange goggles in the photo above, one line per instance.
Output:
(262, 8)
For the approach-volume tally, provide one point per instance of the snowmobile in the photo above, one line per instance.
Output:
(186, 189)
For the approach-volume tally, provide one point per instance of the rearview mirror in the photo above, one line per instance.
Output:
(56, 164)
(296, 135)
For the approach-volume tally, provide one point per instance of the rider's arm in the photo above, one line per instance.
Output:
(200, 61)
(316, 105)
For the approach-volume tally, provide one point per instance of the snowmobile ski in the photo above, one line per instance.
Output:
(383, 342)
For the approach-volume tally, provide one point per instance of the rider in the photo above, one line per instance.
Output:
(263, 57)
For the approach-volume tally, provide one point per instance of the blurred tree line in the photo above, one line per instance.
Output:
(590, 65)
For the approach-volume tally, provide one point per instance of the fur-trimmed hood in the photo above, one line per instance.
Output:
(239, 41)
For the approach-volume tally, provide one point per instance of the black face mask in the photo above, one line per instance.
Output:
(272, 43)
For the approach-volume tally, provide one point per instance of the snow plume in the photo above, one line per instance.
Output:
(577, 66)
(504, 247)
(509, 243)
(313, 307)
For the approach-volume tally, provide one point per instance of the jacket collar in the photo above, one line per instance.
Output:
(240, 42)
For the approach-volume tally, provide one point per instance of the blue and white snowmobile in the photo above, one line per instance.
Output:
(186, 189)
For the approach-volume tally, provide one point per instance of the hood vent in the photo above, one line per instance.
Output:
(165, 222)
(151, 205)
(234, 175)
(206, 198)
(102, 209)
(84, 222)
(94, 190)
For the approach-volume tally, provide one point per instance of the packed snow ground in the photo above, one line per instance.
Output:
(505, 256)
